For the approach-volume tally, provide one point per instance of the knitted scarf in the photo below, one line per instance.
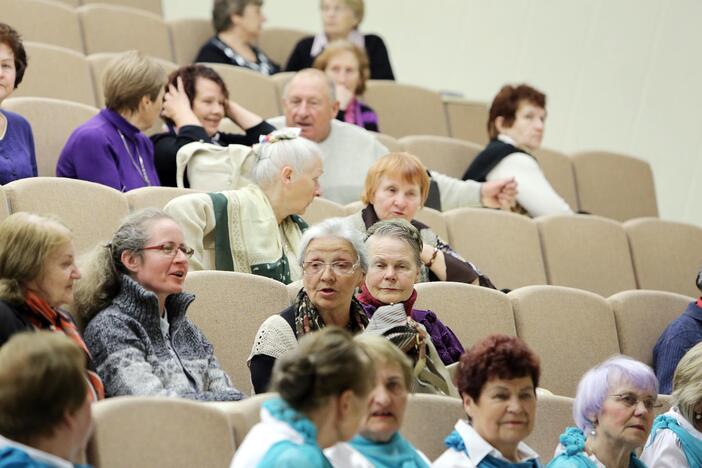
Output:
(308, 319)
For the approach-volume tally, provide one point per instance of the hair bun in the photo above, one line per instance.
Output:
(297, 378)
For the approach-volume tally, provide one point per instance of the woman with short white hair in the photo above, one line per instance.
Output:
(256, 229)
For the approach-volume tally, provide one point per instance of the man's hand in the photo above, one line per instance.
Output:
(499, 193)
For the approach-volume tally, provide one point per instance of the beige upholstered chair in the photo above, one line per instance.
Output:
(428, 420)
(281, 80)
(294, 288)
(108, 28)
(354, 207)
(435, 220)
(152, 6)
(553, 414)
(571, 330)
(391, 143)
(321, 209)
(641, 316)
(188, 35)
(667, 255)
(4, 207)
(57, 72)
(92, 211)
(251, 89)
(467, 120)
(157, 431)
(278, 43)
(472, 312)
(614, 185)
(448, 156)
(71, 3)
(229, 307)
(154, 197)
(586, 252)
(558, 169)
(505, 246)
(44, 21)
(243, 415)
(399, 105)
(52, 121)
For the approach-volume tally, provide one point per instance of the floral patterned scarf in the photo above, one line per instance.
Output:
(308, 319)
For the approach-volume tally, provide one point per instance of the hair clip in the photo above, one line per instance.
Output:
(287, 133)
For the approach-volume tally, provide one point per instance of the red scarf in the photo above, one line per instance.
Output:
(699, 302)
(59, 322)
(367, 298)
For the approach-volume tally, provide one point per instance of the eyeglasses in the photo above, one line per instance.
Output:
(631, 400)
(171, 249)
(340, 268)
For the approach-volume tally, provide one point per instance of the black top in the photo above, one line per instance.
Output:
(488, 158)
(380, 68)
(216, 51)
(13, 319)
(261, 366)
(166, 146)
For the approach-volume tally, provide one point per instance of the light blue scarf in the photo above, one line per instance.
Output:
(691, 445)
(396, 453)
(573, 456)
(455, 441)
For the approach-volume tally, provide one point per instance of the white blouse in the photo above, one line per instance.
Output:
(665, 451)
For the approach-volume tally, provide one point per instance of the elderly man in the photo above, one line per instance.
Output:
(310, 103)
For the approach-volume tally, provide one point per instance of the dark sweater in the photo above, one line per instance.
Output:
(216, 51)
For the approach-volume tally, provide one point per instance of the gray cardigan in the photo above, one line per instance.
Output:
(133, 357)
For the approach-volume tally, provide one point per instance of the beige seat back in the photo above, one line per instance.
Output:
(4, 206)
(109, 28)
(504, 246)
(439, 413)
(641, 316)
(553, 414)
(71, 3)
(91, 211)
(467, 120)
(188, 35)
(243, 415)
(157, 431)
(52, 121)
(399, 105)
(321, 209)
(558, 169)
(448, 156)
(586, 252)
(278, 43)
(152, 6)
(569, 329)
(614, 185)
(251, 89)
(435, 220)
(293, 289)
(281, 80)
(472, 312)
(667, 255)
(229, 308)
(44, 21)
(154, 197)
(69, 71)
(392, 144)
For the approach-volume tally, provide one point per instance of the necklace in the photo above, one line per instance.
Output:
(140, 168)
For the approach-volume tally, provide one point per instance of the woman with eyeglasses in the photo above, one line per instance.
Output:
(333, 262)
(132, 303)
(613, 410)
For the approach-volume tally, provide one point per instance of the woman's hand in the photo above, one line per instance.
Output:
(344, 96)
(241, 116)
(176, 106)
(499, 193)
(434, 260)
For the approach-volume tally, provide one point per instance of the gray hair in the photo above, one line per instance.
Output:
(222, 10)
(331, 87)
(284, 148)
(336, 227)
(400, 229)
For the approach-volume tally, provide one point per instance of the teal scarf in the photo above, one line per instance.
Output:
(455, 441)
(396, 453)
(573, 442)
(691, 445)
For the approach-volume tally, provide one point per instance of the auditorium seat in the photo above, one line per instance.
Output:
(281, 80)
(71, 3)
(435, 220)
(641, 316)
(467, 120)
(154, 197)
(57, 72)
(391, 143)
(243, 415)
(399, 106)
(293, 289)
(278, 43)
(158, 431)
(354, 207)
(151, 6)
(187, 36)
(666, 254)
(553, 414)
(251, 89)
(570, 329)
(558, 169)
(91, 211)
(321, 209)
(586, 252)
(472, 312)
(504, 246)
(448, 156)
(428, 420)
(108, 28)
(614, 185)
(229, 309)
(53, 121)
(4, 207)
(44, 21)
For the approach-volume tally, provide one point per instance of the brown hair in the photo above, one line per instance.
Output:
(222, 11)
(507, 102)
(339, 46)
(13, 40)
(128, 78)
(405, 165)
(189, 74)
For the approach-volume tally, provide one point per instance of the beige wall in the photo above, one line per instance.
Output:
(620, 75)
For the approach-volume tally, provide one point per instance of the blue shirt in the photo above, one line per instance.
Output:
(17, 156)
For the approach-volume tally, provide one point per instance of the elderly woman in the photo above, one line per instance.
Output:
(378, 442)
(256, 229)
(111, 148)
(676, 437)
(347, 65)
(341, 19)
(613, 411)
(323, 386)
(237, 24)
(133, 303)
(195, 103)
(333, 261)
(397, 185)
(394, 265)
(497, 379)
(16, 140)
(516, 127)
(37, 273)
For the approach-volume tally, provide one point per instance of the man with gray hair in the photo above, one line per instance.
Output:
(309, 102)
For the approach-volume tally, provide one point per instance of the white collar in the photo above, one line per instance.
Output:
(321, 40)
(36, 454)
(684, 423)
(478, 448)
(506, 139)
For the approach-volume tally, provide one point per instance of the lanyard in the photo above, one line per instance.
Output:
(140, 168)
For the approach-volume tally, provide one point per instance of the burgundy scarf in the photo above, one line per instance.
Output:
(367, 298)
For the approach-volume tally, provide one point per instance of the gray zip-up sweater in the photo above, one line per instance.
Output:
(133, 357)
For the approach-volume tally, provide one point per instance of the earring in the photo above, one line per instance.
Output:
(593, 432)
(698, 416)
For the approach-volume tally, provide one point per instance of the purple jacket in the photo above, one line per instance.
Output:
(17, 158)
(96, 152)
